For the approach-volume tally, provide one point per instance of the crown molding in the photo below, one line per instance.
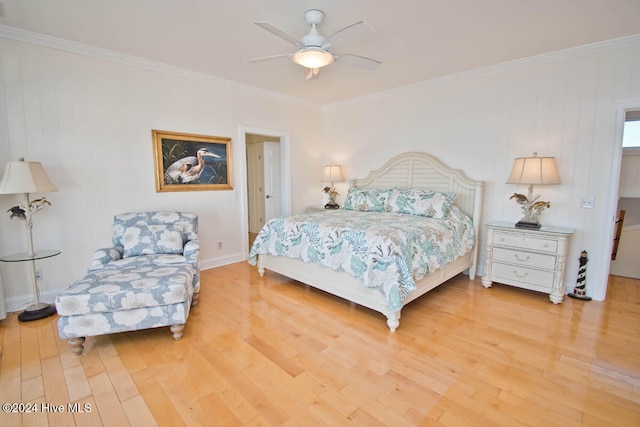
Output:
(24, 36)
(38, 39)
(545, 58)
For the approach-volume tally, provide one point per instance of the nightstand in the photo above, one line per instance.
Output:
(528, 259)
(319, 209)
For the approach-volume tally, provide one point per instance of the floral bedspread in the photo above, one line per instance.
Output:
(388, 251)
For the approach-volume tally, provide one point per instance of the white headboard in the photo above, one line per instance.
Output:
(423, 171)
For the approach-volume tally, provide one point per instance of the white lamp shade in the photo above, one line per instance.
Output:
(534, 170)
(333, 173)
(25, 177)
(312, 58)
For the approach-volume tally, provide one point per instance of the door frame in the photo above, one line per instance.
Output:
(285, 177)
(614, 183)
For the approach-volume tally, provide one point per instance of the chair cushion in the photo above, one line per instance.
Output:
(127, 288)
(150, 239)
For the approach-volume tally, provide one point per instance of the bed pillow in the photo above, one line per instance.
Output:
(145, 239)
(359, 199)
(427, 203)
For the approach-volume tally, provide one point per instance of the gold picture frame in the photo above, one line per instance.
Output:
(189, 162)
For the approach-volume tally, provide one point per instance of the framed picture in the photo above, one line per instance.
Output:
(187, 162)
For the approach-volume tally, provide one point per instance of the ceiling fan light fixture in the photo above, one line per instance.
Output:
(313, 58)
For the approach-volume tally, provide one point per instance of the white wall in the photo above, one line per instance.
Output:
(89, 121)
(630, 174)
(563, 106)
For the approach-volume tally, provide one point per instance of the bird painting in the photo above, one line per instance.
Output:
(188, 169)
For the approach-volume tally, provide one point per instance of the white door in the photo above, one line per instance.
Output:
(272, 193)
(255, 187)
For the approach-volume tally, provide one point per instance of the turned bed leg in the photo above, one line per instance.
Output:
(260, 266)
(393, 320)
(177, 331)
(195, 299)
(76, 345)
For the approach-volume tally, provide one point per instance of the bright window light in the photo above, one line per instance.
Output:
(631, 135)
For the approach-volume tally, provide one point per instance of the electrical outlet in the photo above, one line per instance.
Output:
(587, 202)
(219, 245)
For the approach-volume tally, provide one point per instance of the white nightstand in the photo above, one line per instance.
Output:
(319, 209)
(529, 259)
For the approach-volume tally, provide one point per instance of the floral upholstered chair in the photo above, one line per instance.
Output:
(148, 278)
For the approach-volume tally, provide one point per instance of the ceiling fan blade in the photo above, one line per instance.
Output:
(268, 58)
(356, 61)
(352, 30)
(313, 74)
(277, 32)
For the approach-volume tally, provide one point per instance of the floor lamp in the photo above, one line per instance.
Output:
(22, 177)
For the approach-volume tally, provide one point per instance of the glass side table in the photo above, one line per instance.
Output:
(37, 310)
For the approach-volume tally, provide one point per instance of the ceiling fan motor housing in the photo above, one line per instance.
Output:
(314, 16)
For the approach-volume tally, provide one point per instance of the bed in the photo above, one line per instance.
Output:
(411, 171)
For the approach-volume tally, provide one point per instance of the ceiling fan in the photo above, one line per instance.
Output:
(313, 49)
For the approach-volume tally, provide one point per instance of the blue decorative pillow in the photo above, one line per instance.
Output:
(145, 239)
(427, 203)
(359, 199)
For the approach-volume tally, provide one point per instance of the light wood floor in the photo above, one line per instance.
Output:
(271, 352)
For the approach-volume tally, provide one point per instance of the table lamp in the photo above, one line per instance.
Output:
(22, 177)
(332, 173)
(530, 171)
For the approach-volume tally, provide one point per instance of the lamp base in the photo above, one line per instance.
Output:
(35, 312)
(527, 224)
(332, 206)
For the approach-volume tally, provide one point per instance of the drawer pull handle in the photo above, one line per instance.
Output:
(502, 239)
(522, 259)
(522, 276)
(546, 245)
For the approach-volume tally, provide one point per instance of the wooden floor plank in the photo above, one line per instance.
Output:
(56, 394)
(108, 405)
(269, 351)
(138, 412)
(157, 400)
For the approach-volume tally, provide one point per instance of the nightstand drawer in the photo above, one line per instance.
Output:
(526, 259)
(525, 242)
(511, 273)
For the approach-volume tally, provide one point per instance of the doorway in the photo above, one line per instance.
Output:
(624, 108)
(627, 240)
(268, 178)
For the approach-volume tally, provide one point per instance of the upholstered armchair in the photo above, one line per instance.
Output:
(148, 278)
(137, 240)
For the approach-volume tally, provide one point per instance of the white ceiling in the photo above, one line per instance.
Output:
(416, 40)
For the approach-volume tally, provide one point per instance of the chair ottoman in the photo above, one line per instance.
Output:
(126, 299)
